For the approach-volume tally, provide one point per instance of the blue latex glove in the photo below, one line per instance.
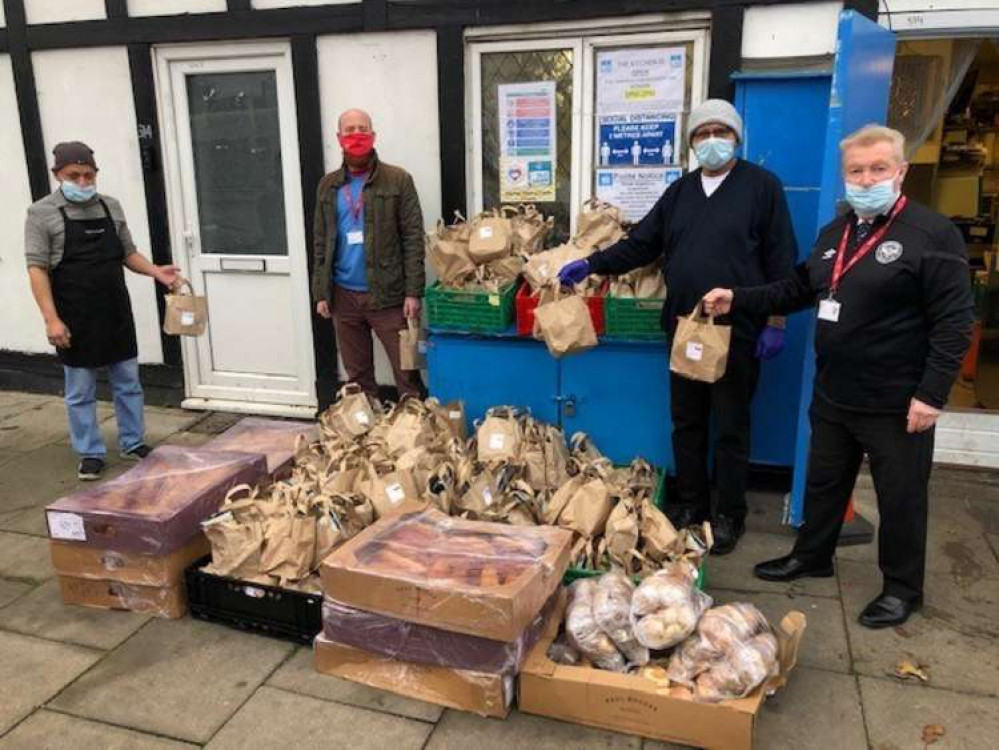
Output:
(574, 273)
(770, 343)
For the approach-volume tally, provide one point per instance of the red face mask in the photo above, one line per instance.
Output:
(358, 145)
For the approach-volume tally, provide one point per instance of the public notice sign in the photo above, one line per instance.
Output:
(635, 191)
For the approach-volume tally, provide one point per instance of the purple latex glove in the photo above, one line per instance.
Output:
(770, 343)
(574, 273)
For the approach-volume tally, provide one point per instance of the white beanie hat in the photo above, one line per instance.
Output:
(714, 110)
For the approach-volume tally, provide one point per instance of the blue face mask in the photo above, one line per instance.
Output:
(77, 194)
(872, 201)
(715, 153)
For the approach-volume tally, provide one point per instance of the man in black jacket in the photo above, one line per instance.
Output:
(894, 321)
(726, 223)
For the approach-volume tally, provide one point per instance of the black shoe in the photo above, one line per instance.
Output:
(682, 516)
(90, 469)
(727, 531)
(887, 611)
(789, 568)
(137, 453)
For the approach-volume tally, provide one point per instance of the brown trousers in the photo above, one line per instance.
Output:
(354, 321)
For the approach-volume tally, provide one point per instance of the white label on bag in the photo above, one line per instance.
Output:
(362, 417)
(497, 441)
(485, 233)
(421, 347)
(487, 496)
(695, 350)
(396, 494)
(494, 300)
(66, 526)
(187, 318)
(355, 238)
(454, 414)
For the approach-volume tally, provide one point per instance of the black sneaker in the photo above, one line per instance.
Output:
(137, 453)
(90, 469)
(727, 531)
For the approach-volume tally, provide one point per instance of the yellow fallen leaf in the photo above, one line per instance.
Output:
(907, 670)
(932, 733)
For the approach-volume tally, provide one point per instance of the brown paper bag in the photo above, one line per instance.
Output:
(587, 511)
(621, 534)
(236, 545)
(482, 498)
(700, 350)
(447, 251)
(352, 415)
(598, 225)
(659, 536)
(529, 228)
(289, 546)
(499, 437)
(329, 536)
(412, 346)
(491, 238)
(391, 493)
(186, 313)
(565, 325)
(541, 270)
(455, 412)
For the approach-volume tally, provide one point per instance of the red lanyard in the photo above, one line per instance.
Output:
(354, 206)
(839, 271)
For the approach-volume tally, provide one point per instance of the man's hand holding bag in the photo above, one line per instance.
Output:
(700, 347)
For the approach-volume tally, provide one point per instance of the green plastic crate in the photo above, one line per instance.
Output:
(628, 318)
(469, 310)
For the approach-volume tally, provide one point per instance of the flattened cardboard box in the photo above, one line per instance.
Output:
(473, 577)
(167, 601)
(79, 561)
(637, 705)
(477, 692)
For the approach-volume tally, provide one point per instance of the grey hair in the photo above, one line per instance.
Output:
(873, 133)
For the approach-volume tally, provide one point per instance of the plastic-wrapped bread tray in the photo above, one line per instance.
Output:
(279, 612)
(275, 438)
(157, 506)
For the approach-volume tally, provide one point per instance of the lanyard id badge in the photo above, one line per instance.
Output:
(829, 310)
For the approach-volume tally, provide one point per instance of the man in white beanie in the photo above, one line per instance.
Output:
(727, 221)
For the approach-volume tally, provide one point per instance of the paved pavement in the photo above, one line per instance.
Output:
(87, 679)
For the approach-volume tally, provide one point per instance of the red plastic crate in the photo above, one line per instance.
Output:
(525, 305)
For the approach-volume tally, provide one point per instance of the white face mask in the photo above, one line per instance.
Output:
(874, 200)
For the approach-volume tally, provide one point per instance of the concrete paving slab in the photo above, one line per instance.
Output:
(159, 426)
(735, 571)
(994, 544)
(955, 544)
(32, 670)
(277, 719)
(181, 678)
(38, 477)
(24, 558)
(13, 403)
(896, 714)
(298, 675)
(42, 613)
(33, 428)
(817, 710)
(11, 590)
(954, 635)
(29, 521)
(824, 644)
(460, 731)
(766, 513)
(49, 730)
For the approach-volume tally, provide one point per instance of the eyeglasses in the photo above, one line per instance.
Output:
(717, 132)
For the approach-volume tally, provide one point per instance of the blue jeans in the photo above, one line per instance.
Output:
(81, 404)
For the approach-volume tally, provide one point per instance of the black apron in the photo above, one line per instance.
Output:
(90, 295)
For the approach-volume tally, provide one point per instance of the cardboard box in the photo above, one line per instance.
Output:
(275, 438)
(479, 578)
(476, 692)
(165, 601)
(637, 705)
(156, 507)
(80, 561)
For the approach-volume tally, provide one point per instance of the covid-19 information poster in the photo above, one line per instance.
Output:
(528, 149)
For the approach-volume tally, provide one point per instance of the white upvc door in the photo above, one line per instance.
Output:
(236, 225)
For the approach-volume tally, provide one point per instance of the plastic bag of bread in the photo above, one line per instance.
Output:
(612, 611)
(667, 605)
(719, 631)
(742, 668)
(582, 631)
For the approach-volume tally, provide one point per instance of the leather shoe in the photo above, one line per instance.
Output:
(682, 516)
(887, 611)
(727, 531)
(789, 568)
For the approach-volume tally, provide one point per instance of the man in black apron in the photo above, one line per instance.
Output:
(76, 244)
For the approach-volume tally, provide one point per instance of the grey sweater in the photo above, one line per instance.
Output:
(44, 232)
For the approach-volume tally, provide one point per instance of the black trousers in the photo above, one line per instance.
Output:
(900, 467)
(692, 405)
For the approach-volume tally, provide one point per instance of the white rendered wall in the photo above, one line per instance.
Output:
(394, 77)
(803, 30)
(86, 94)
(263, 4)
(173, 7)
(58, 11)
(21, 327)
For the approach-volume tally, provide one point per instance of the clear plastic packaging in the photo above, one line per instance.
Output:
(719, 631)
(159, 601)
(667, 605)
(740, 670)
(584, 634)
(157, 506)
(275, 438)
(612, 611)
(80, 561)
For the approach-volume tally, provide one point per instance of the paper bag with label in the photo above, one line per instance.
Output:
(529, 228)
(352, 415)
(412, 346)
(186, 313)
(565, 325)
(587, 509)
(491, 238)
(541, 270)
(391, 492)
(598, 225)
(455, 413)
(447, 250)
(499, 437)
(700, 348)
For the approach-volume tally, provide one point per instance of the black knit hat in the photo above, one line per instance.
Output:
(73, 152)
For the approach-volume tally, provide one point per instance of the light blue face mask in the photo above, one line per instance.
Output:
(77, 194)
(714, 153)
(872, 201)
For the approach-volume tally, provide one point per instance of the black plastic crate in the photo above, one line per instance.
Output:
(271, 610)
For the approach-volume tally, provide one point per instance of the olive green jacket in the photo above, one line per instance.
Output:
(393, 236)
